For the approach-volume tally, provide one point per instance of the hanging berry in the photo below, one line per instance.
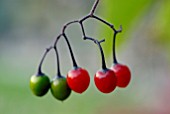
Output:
(40, 83)
(105, 79)
(78, 78)
(59, 87)
(122, 72)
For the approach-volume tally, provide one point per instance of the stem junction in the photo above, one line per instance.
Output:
(81, 23)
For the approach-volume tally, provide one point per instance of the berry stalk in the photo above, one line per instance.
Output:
(80, 22)
(58, 62)
(68, 44)
(42, 60)
(101, 50)
(114, 45)
(71, 52)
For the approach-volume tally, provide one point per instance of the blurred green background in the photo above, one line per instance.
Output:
(27, 27)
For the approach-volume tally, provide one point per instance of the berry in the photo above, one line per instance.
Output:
(78, 80)
(60, 89)
(39, 84)
(123, 75)
(122, 71)
(105, 80)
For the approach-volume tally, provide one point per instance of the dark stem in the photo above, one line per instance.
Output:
(91, 15)
(101, 50)
(82, 27)
(58, 37)
(94, 7)
(67, 24)
(114, 48)
(71, 52)
(102, 55)
(114, 45)
(85, 18)
(105, 22)
(42, 60)
(58, 61)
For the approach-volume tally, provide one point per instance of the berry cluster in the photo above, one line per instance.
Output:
(78, 78)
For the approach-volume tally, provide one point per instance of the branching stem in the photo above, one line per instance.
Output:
(80, 22)
(101, 50)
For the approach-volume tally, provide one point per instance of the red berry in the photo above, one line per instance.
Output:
(105, 80)
(123, 75)
(78, 79)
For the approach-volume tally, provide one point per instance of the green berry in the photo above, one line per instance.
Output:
(39, 84)
(60, 89)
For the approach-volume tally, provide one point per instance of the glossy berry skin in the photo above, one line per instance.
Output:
(123, 75)
(39, 84)
(105, 80)
(60, 89)
(78, 80)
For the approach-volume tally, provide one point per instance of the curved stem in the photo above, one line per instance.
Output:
(58, 62)
(71, 52)
(67, 24)
(114, 48)
(102, 55)
(58, 37)
(42, 60)
(101, 50)
(90, 15)
(114, 44)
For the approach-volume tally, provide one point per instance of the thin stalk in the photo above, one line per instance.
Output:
(58, 62)
(102, 55)
(114, 49)
(42, 60)
(94, 7)
(105, 22)
(101, 51)
(80, 22)
(114, 44)
(71, 52)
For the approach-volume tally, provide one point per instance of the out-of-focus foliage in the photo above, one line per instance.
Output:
(147, 39)
(125, 13)
(161, 25)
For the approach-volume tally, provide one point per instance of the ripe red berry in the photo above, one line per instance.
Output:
(105, 80)
(123, 75)
(78, 79)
